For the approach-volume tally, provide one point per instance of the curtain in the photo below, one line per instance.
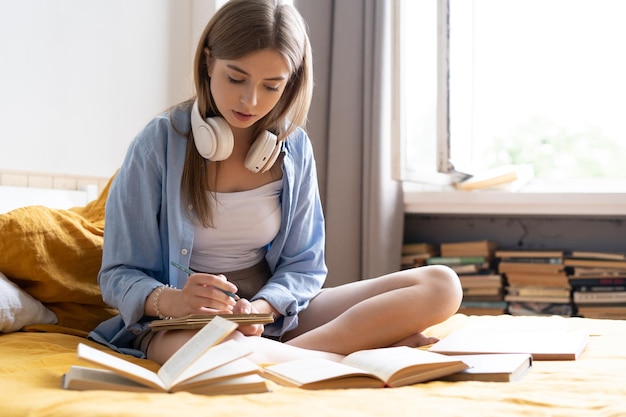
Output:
(350, 127)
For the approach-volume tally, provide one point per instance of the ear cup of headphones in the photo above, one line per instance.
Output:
(213, 138)
(263, 152)
(273, 157)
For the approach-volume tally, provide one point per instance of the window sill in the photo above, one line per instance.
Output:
(533, 199)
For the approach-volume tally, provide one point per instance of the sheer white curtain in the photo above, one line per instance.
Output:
(350, 126)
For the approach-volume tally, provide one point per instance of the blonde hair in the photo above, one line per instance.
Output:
(239, 28)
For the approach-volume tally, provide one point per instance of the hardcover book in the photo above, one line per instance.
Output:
(499, 367)
(474, 248)
(542, 345)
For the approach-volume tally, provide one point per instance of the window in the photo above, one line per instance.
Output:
(484, 83)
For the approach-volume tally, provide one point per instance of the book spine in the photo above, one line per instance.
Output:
(538, 299)
(582, 282)
(484, 304)
(599, 297)
(532, 260)
(613, 256)
(505, 267)
(455, 260)
(539, 308)
(595, 263)
(599, 288)
(538, 291)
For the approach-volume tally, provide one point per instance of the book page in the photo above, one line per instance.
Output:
(237, 368)
(495, 362)
(210, 335)
(123, 367)
(81, 378)
(245, 384)
(386, 362)
(310, 370)
(213, 358)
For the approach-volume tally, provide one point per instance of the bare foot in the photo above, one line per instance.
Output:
(416, 340)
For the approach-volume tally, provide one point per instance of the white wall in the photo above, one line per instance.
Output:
(79, 79)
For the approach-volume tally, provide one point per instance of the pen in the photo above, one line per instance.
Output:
(189, 272)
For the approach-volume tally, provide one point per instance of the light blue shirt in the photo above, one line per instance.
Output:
(147, 226)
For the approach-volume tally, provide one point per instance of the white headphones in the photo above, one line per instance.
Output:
(214, 141)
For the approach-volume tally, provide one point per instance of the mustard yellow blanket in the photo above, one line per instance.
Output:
(55, 255)
(32, 364)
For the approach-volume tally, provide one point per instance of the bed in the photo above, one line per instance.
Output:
(50, 259)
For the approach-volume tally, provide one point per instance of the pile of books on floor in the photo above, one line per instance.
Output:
(483, 287)
(537, 282)
(529, 282)
(415, 254)
(598, 281)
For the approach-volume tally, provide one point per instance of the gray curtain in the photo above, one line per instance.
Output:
(350, 126)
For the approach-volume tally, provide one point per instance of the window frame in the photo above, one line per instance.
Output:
(440, 176)
(428, 191)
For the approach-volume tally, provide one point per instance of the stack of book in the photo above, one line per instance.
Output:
(537, 283)
(415, 254)
(483, 287)
(598, 281)
(529, 282)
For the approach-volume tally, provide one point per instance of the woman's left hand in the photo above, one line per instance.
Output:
(244, 306)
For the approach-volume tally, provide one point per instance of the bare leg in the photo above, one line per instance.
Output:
(386, 311)
(265, 351)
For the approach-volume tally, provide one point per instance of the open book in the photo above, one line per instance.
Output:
(506, 177)
(203, 365)
(374, 368)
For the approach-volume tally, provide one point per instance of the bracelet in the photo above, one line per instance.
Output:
(155, 302)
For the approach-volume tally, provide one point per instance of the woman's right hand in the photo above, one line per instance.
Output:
(200, 295)
(204, 294)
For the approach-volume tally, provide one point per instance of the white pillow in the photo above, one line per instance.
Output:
(19, 309)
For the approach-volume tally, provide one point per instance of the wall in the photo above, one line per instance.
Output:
(588, 233)
(79, 79)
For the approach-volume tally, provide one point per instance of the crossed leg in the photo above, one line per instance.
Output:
(387, 311)
(390, 310)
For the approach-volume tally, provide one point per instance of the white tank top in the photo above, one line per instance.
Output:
(244, 223)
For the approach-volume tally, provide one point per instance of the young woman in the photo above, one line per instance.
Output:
(226, 185)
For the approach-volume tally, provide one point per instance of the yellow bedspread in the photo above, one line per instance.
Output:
(32, 364)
